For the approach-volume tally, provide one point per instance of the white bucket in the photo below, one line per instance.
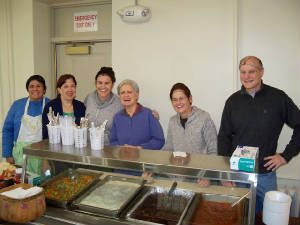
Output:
(53, 134)
(80, 137)
(97, 138)
(276, 210)
(67, 137)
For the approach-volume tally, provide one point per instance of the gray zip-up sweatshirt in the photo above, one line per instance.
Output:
(100, 111)
(199, 135)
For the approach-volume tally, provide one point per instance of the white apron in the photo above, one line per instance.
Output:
(30, 132)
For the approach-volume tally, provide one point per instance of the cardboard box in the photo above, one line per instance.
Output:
(244, 158)
(33, 179)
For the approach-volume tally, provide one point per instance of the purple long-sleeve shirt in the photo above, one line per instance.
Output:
(143, 129)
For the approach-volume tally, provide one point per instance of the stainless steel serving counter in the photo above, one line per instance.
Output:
(161, 162)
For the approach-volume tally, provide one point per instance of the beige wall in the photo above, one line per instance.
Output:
(43, 58)
(7, 93)
(31, 43)
(190, 43)
(23, 56)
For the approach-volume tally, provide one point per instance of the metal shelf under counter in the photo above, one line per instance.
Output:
(160, 162)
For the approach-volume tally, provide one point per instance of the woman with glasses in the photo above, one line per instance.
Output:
(191, 129)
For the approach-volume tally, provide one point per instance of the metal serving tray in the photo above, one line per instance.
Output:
(156, 211)
(116, 196)
(220, 214)
(72, 174)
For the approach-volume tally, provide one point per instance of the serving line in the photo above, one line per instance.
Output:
(197, 166)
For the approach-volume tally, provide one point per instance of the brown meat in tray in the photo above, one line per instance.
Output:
(157, 207)
(62, 189)
(212, 209)
(109, 196)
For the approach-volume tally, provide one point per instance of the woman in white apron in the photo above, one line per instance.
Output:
(30, 132)
(23, 124)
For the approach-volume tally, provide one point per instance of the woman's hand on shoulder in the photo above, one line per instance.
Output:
(155, 114)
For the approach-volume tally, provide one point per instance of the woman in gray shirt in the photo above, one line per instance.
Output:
(102, 104)
(191, 129)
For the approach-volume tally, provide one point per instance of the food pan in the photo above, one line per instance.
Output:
(109, 196)
(63, 188)
(157, 207)
(6, 183)
(213, 209)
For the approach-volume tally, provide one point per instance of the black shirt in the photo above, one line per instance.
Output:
(183, 122)
(258, 122)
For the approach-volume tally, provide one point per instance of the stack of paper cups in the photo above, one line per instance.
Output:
(97, 138)
(66, 130)
(67, 136)
(80, 137)
(53, 134)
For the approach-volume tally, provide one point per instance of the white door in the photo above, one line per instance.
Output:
(83, 67)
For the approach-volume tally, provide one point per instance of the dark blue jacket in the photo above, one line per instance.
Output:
(79, 111)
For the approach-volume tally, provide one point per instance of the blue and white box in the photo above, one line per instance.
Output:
(244, 158)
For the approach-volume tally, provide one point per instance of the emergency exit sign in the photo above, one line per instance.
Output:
(86, 21)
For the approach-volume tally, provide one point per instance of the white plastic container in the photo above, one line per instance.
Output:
(80, 137)
(276, 210)
(67, 135)
(66, 129)
(97, 138)
(53, 134)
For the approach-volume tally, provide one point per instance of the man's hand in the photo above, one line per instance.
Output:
(275, 161)
(10, 160)
(203, 182)
(228, 183)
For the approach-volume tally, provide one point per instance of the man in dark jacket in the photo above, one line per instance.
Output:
(254, 116)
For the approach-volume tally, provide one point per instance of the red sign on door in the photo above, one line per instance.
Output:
(86, 21)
